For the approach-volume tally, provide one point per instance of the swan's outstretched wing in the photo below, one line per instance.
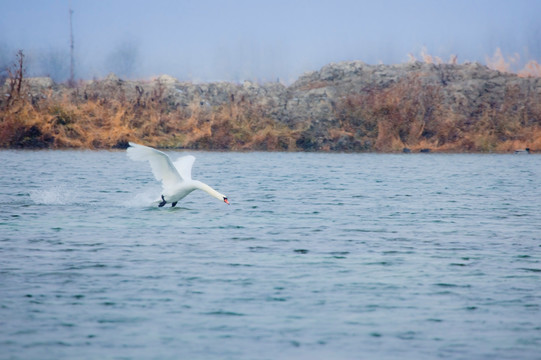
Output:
(184, 166)
(162, 167)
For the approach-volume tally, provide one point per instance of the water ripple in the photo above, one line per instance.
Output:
(339, 256)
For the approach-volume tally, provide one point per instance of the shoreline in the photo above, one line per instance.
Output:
(347, 107)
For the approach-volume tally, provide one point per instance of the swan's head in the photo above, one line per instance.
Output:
(199, 185)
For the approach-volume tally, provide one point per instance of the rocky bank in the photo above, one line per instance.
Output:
(315, 101)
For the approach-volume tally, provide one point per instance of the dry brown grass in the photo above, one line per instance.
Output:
(506, 64)
(409, 113)
(109, 122)
(395, 117)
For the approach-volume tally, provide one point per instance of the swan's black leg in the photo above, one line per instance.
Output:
(162, 203)
(174, 204)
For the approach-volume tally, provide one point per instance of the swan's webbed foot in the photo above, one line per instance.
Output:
(162, 203)
(174, 204)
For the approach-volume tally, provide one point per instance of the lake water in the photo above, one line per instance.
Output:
(319, 256)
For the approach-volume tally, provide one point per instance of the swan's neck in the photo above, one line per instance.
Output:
(202, 186)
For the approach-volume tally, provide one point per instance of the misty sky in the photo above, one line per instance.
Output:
(258, 40)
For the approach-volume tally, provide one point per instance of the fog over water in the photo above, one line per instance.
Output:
(261, 41)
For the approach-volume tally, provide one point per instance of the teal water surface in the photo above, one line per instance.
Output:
(319, 256)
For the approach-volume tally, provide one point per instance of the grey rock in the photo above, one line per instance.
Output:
(313, 97)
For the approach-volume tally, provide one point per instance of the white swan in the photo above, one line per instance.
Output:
(176, 177)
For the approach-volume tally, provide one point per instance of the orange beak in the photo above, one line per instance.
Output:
(226, 201)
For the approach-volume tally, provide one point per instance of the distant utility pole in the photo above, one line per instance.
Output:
(71, 81)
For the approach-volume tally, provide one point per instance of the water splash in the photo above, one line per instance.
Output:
(145, 198)
(57, 195)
